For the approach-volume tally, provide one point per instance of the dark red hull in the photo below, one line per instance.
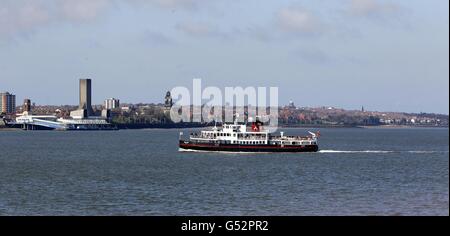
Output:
(246, 148)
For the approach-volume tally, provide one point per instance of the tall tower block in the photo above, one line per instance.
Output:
(86, 96)
(84, 109)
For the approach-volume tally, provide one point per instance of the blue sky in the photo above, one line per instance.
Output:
(385, 55)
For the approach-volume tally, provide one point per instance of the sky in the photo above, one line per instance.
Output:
(383, 55)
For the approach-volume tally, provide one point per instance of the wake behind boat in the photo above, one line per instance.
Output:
(240, 138)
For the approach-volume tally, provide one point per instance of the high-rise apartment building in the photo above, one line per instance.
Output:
(7, 103)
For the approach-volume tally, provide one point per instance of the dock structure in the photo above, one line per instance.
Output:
(37, 122)
(81, 119)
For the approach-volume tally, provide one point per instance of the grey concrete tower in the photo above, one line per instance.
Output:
(85, 96)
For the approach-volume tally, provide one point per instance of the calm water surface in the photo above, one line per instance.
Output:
(141, 172)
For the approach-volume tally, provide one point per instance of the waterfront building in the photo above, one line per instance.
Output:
(7, 103)
(168, 101)
(111, 103)
(26, 105)
(106, 114)
(291, 104)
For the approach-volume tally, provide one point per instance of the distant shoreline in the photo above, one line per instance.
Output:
(401, 126)
(197, 125)
(362, 126)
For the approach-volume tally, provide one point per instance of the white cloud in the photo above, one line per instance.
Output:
(25, 16)
(173, 4)
(298, 20)
(16, 17)
(178, 3)
(82, 10)
(372, 8)
(19, 17)
(197, 29)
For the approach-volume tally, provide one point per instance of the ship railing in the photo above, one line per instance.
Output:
(301, 138)
(251, 138)
(249, 129)
(211, 137)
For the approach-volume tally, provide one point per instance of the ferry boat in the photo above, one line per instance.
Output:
(241, 138)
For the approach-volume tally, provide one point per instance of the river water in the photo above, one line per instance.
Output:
(378, 171)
